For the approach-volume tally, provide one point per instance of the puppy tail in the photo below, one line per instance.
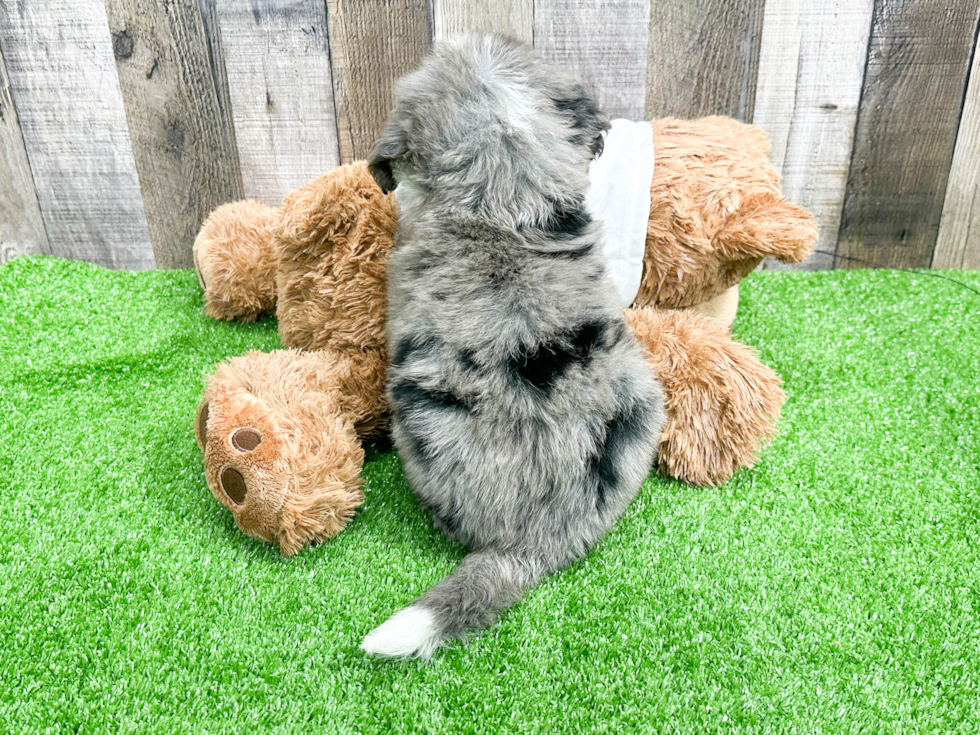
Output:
(468, 600)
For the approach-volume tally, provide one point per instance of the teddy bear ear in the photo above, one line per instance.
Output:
(391, 147)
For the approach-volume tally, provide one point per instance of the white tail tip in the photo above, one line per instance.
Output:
(409, 632)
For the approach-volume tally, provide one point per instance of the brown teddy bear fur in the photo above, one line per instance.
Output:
(716, 210)
(332, 242)
(281, 433)
(713, 387)
(292, 477)
(235, 259)
(302, 412)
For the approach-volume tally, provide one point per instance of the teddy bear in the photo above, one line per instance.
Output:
(282, 433)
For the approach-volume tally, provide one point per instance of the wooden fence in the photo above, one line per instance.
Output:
(124, 122)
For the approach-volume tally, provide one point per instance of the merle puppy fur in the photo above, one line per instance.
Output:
(523, 410)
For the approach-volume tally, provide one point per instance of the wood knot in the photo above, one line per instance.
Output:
(175, 137)
(122, 45)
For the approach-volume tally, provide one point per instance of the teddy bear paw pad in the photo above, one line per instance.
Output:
(233, 484)
(202, 425)
(246, 439)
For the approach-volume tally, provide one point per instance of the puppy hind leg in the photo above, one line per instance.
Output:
(468, 600)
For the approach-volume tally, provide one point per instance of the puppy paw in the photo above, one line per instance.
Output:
(408, 633)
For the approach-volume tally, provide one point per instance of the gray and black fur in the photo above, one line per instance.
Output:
(523, 410)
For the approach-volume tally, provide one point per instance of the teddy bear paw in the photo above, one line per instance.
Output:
(243, 463)
(282, 457)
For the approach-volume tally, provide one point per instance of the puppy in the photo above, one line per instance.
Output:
(523, 410)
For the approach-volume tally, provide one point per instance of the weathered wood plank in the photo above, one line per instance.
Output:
(216, 57)
(277, 58)
(918, 60)
(958, 244)
(63, 79)
(372, 44)
(811, 69)
(514, 18)
(184, 148)
(704, 58)
(21, 227)
(605, 41)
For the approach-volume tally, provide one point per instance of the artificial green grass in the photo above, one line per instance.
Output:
(833, 588)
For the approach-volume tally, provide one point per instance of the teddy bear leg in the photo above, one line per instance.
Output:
(332, 243)
(281, 448)
(235, 260)
(721, 401)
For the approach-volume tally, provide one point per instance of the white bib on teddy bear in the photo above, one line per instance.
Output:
(619, 197)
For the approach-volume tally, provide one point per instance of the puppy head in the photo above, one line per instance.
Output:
(491, 128)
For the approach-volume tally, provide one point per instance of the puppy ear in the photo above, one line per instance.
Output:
(390, 147)
(587, 119)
